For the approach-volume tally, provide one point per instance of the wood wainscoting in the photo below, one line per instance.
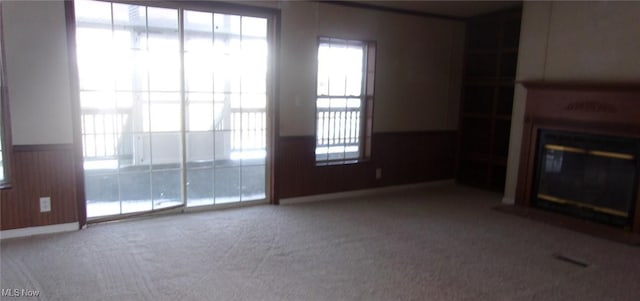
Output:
(40, 171)
(405, 158)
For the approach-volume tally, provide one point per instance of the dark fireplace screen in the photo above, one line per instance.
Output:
(587, 176)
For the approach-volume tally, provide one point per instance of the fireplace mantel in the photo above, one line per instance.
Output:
(592, 108)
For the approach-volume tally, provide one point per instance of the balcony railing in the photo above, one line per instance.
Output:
(102, 132)
(338, 127)
(248, 130)
(108, 134)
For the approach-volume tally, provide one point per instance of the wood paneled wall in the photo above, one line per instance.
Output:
(405, 157)
(40, 171)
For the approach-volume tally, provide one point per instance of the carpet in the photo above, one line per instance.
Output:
(441, 242)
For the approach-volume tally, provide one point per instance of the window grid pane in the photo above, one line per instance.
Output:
(340, 99)
(131, 66)
(226, 108)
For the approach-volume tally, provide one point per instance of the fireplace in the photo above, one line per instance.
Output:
(580, 156)
(587, 176)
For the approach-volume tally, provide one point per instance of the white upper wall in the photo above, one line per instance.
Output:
(572, 41)
(37, 65)
(594, 41)
(418, 65)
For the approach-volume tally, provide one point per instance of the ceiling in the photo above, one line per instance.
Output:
(457, 9)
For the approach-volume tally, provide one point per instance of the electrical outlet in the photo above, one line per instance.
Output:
(45, 204)
(378, 173)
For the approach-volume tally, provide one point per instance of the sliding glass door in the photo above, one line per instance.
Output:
(174, 106)
(225, 63)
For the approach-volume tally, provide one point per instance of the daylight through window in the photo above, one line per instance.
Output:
(173, 105)
(344, 100)
(4, 120)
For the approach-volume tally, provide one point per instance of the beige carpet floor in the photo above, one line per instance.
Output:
(442, 242)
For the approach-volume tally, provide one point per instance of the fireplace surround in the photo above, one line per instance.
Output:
(579, 157)
(588, 176)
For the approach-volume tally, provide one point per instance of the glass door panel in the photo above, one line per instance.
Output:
(157, 83)
(129, 67)
(225, 80)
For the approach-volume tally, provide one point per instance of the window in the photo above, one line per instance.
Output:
(173, 105)
(4, 118)
(4, 170)
(344, 100)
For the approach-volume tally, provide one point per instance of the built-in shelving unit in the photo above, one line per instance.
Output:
(491, 58)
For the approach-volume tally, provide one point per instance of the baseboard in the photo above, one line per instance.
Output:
(31, 231)
(508, 200)
(362, 192)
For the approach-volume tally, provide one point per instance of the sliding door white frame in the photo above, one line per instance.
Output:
(271, 17)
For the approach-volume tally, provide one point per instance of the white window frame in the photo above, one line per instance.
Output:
(343, 133)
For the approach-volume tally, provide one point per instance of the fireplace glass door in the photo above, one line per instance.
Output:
(587, 176)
